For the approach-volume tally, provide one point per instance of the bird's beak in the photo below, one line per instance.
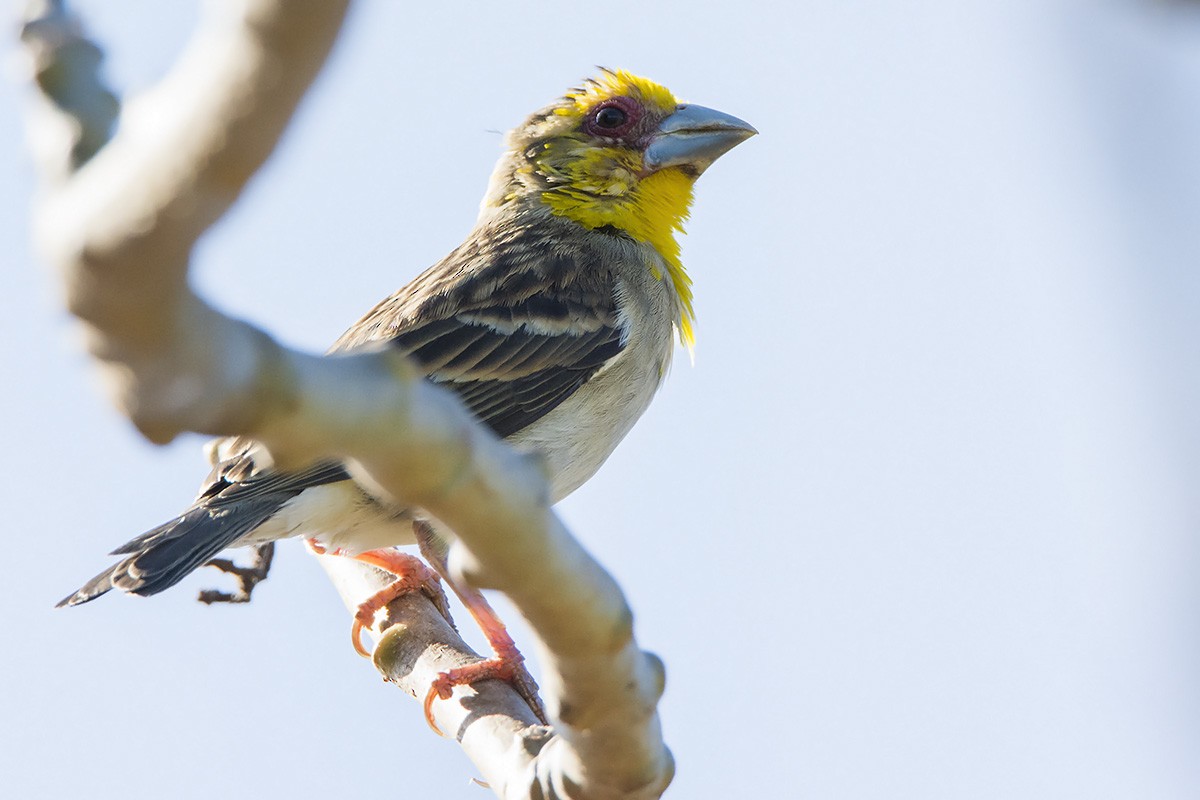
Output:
(693, 138)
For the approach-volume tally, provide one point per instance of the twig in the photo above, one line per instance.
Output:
(248, 576)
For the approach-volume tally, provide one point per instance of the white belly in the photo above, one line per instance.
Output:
(338, 515)
(581, 433)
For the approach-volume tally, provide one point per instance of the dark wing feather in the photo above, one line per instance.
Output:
(515, 361)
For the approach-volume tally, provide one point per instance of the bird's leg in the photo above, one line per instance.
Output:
(508, 663)
(248, 576)
(411, 575)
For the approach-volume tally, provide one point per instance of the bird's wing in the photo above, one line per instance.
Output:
(513, 327)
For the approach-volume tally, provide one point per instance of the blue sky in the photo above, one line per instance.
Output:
(921, 521)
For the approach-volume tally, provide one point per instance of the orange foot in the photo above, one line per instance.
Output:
(411, 575)
(500, 668)
(508, 664)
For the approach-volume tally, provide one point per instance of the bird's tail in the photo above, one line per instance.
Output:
(163, 556)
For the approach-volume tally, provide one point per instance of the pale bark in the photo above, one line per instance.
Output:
(119, 217)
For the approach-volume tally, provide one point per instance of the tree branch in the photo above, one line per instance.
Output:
(119, 219)
(248, 576)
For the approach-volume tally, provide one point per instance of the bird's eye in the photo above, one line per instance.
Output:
(613, 118)
(610, 118)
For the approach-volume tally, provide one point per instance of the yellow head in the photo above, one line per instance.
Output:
(620, 153)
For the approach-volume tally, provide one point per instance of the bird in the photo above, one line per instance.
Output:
(554, 323)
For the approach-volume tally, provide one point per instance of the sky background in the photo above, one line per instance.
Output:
(920, 522)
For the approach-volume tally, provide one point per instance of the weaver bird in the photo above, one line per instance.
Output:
(554, 322)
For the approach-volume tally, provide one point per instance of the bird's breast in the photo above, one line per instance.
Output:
(579, 435)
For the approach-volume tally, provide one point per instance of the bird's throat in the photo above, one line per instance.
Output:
(653, 210)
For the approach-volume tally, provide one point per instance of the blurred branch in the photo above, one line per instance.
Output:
(119, 219)
(66, 69)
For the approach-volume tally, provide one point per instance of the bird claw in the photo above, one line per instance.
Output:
(411, 575)
(416, 577)
(438, 689)
(509, 668)
(356, 639)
